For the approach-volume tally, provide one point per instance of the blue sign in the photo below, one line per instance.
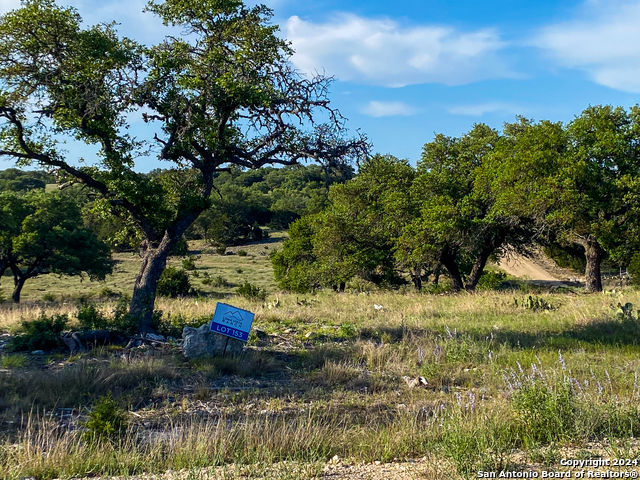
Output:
(232, 322)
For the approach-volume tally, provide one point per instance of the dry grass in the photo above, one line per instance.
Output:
(329, 380)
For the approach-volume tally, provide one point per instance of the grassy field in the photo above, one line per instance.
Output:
(484, 382)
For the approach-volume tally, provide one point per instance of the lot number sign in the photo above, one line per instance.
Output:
(232, 322)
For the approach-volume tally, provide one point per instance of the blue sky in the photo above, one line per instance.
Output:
(406, 70)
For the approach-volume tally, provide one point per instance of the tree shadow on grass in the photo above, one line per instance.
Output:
(605, 332)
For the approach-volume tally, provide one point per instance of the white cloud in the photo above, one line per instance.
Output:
(605, 43)
(388, 109)
(479, 109)
(382, 52)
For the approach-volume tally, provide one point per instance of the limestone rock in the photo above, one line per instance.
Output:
(202, 342)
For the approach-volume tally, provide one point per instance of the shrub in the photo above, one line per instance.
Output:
(107, 292)
(634, 269)
(221, 249)
(189, 263)
(106, 421)
(180, 249)
(219, 281)
(49, 297)
(239, 270)
(172, 325)
(90, 318)
(125, 323)
(252, 292)
(42, 333)
(242, 253)
(491, 280)
(173, 283)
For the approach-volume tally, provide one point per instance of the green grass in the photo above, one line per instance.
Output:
(255, 266)
(509, 386)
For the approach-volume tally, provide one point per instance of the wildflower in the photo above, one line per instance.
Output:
(472, 400)
(564, 366)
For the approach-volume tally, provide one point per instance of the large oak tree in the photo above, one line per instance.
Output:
(223, 94)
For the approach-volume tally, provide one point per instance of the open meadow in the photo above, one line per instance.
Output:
(330, 384)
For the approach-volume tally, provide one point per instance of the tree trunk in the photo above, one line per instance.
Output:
(594, 254)
(478, 268)
(143, 299)
(416, 278)
(18, 283)
(436, 276)
(448, 259)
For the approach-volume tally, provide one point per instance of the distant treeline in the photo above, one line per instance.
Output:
(242, 202)
(574, 189)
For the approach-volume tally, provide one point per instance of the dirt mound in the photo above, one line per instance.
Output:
(538, 269)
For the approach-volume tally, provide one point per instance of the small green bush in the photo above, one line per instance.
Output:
(189, 263)
(174, 283)
(220, 250)
(107, 292)
(42, 333)
(106, 421)
(172, 325)
(180, 249)
(49, 297)
(634, 269)
(239, 270)
(90, 318)
(242, 253)
(252, 292)
(491, 280)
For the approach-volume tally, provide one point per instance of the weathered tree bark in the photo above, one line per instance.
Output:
(154, 261)
(481, 262)
(448, 260)
(144, 290)
(18, 283)
(593, 253)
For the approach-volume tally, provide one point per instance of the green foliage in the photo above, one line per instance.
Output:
(49, 297)
(218, 281)
(625, 312)
(535, 303)
(90, 318)
(189, 263)
(43, 333)
(491, 280)
(242, 253)
(42, 233)
(174, 283)
(252, 292)
(634, 269)
(106, 421)
(172, 325)
(181, 248)
(15, 180)
(567, 257)
(13, 361)
(545, 414)
(231, 66)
